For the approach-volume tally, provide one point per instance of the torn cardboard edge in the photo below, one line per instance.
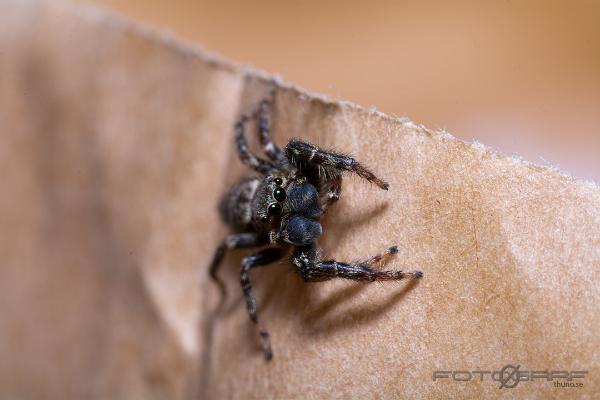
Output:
(98, 14)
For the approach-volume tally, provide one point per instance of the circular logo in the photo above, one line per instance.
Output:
(512, 379)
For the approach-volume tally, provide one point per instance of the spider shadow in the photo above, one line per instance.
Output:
(282, 294)
(320, 315)
(342, 226)
(288, 297)
(329, 317)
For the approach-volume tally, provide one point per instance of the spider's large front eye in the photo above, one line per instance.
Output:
(274, 209)
(279, 194)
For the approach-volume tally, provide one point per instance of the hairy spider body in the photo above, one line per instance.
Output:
(280, 209)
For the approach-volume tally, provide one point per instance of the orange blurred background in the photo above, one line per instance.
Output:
(520, 76)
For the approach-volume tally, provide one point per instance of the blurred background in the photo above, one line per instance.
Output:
(520, 76)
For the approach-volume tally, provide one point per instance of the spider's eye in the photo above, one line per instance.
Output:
(274, 209)
(264, 219)
(279, 194)
(278, 181)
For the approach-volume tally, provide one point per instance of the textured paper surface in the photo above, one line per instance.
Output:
(115, 146)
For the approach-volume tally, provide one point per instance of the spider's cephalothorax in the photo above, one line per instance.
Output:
(281, 207)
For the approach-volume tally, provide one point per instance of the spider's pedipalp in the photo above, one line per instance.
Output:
(334, 191)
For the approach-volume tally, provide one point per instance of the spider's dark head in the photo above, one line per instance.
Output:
(291, 208)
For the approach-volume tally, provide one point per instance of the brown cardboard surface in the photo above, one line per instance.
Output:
(115, 145)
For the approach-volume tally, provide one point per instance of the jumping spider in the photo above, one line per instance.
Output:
(281, 208)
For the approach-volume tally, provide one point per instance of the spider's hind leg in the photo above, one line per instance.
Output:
(247, 157)
(273, 152)
(262, 257)
(264, 129)
(235, 241)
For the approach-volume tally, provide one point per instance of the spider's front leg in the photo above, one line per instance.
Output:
(311, 160)
(262, 257)
(307, 262)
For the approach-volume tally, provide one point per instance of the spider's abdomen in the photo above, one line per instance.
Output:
(235, 205)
